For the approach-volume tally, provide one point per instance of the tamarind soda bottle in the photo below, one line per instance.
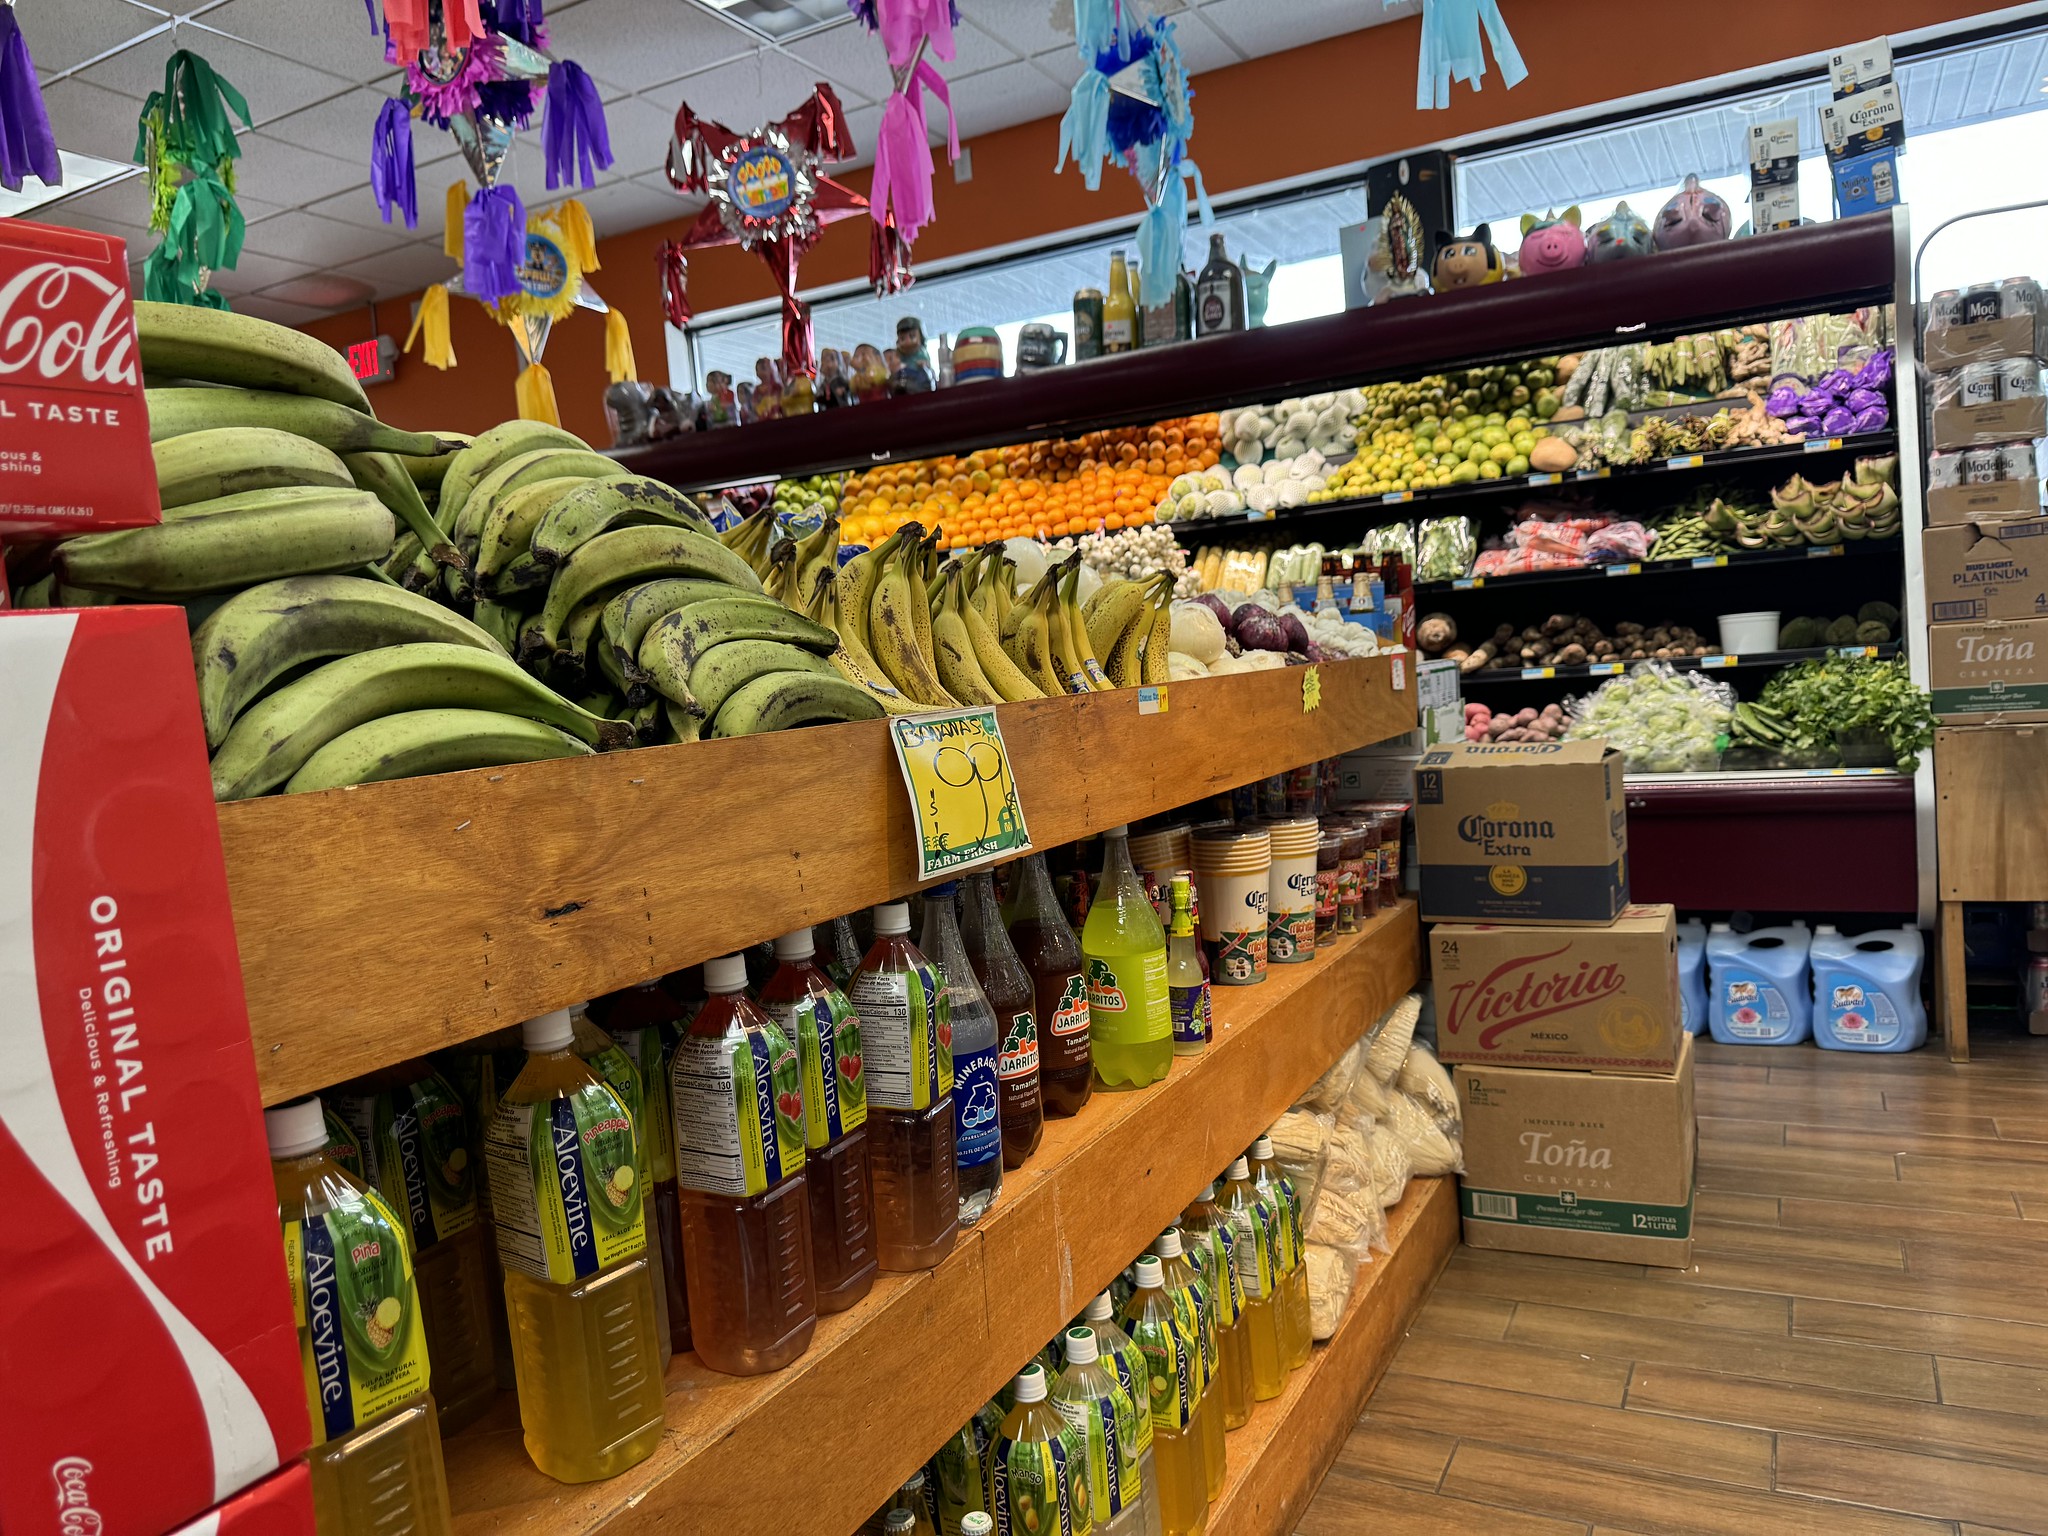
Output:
(1046, 945)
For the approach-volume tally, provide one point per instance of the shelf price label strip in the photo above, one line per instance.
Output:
(963, 796)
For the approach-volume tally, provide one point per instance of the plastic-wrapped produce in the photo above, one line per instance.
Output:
(1391, 1167)
(1423, 1078)
(1327, 1093)
(1659, 719)
(1331, 1272)
(1430, 1152)
(1391, 1037)
(1446, 548)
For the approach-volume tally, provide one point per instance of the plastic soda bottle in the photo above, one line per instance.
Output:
(646, 1022)
(916, 1499)
(909, 1071)
(1046, 944)
(1187, 983)
(1290, 1296)
(1007, 986)
(1172, 1359)
(1184, 1283)
(959, 1472)
(615, 1066)
(1130, 1014)
(739, 1110)
(572, 1239)
(1037, 1467)
(842, 953)
(1257, 1256)
(965, 1016)
(977, 1523)
(376, 1457)
(813, 1012)
(1120, 1351)
(1098, 1408)
(1211, 1245)
(415, 1146)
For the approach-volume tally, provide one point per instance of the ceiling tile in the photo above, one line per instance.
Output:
(405, 270)
(852, 58)
(88, 29)
(862, 124)
(339, 126)
(88, 119)
(997, 98)
(1202, 47)
(1026, 26)
(633, 46)
(287, 176)
(273, 309)
(124, 202)
(744, 92)
(308, 238)
(1259, 27)
(975, 49)
(337, 36)
(640, 128)
(628, 205)
(272, 84)
(357, 205)
(254, 271)
(324, 290)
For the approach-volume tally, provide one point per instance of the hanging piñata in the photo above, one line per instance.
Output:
(900, 193)
(186, 143)
(27, 147)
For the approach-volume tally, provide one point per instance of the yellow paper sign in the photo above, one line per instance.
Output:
(1312, 688)
(962, 795)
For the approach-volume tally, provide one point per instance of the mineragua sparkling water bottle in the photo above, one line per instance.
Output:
(977, 1092)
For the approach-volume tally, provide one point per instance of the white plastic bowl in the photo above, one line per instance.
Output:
(1748, 633)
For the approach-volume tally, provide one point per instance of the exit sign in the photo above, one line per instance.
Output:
(374, 361)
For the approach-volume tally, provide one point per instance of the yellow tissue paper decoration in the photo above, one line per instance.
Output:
(535, 392)
(579, 240)
(458, 204)
(618, 349)
(432, 320)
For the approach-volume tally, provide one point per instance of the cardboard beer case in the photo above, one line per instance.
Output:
(149, 1367)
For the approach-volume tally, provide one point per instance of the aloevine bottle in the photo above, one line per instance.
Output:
(620, 1073)
(1153, 1318)
(376, 1457)
(1184, 1283)
(1037, 1470)
(1212, 1244)
(1099, 1410)
(1290, 1296)
(977, 1093)
(1256, 1253)
(1124, 1357)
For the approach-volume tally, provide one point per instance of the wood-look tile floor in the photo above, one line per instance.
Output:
(1861, 1345)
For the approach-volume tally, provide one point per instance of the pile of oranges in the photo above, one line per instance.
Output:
(1049, 490)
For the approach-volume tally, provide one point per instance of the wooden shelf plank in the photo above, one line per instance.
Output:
(884, 1383)
(382, 922)
(1277, 1461)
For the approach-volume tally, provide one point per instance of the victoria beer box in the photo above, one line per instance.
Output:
(74, 426)
(280, 1505)
(1527, 832)
(149, 1368)
(1590, 999)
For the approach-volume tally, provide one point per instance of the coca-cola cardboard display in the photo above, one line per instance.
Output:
(74, 426)
(1581, 1164)
(149, 1368)
(280, 1505)
(1594, 999)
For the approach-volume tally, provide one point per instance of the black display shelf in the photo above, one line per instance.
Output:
(1297, 523)
(1599, 671)
(1737, 559)
(1833, 266)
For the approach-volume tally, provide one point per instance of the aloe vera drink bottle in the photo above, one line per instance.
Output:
(738, 1094)
(909, 1071)
(1256, 1253)
(814, 1012)
(1120, 1351)
(1290, 1297)
(1037, 1468)
(977, 1083)
(1156, 1321)
(1211, 1246)
(415, 1145)
(376, 1457)
(959, 1472)
(1045, 943)
(1185, 1285)
(1098, 1408)
(1123, 946)
(1007, 986)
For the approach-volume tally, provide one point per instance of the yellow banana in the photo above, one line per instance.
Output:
(892, 613)
(953, 651)
(1003, 674)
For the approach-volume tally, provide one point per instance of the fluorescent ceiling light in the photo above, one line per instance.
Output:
(80, 172)
(781, 20)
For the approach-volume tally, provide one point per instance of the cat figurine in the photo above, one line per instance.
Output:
(1258, 289)
(1469, 262)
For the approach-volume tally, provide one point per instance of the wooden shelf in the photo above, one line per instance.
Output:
(884, 1383)
(1278, 1459)
(382, 922)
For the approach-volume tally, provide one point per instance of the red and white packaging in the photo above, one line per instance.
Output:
(149, 1368)
(280, 1505)
(74, 425)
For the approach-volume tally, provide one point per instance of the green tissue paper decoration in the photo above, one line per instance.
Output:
(186, 141)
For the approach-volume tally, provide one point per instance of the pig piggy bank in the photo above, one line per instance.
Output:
(1622, 233)
(1551, 245)
(1694, 216)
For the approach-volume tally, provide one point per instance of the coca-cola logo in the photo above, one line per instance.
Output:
(66, 324)
(75, 1514)
(1518, 992)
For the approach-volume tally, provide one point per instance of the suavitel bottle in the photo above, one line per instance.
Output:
(1187, 983)
(1252, 1219)
(1099, 1409)
(1007, 986)
(1185, 1284)
(1290, 1295)
(1212, 1245)
(740, 1165)
(909, 1069)
(1154, 1319)
(572, 1238)
(1037, 1469)
(965, 1012)
(415, 1145)
(815, 1013)
(615, 1066)
(1123, 1356)
(376, 1457)
(647, 1022)
(1130, 1013)
(1045, 943)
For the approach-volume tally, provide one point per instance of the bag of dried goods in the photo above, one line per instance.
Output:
(1391, 1038)
(1367, 1100)
(1429, 1151)
(1300, 1138)
(1330, 1275)
(1326, 1094)
(1391, 1167)
(1424, 1080)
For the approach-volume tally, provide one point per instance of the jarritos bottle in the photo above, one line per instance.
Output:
(620, 1073)
(1037, 1468)
(739, 1106)
(1123, 946)
(1121, 1353)
(376, 1457)
(1099, 1409)
(813, 1012)
(415, 1145)
(1290, 1296)
(1009, 990)
(647, 1022)
(1211, 1246)
(572, 1238)
(1185, 1284)
(1051, 955)
(1256, 1253)
(1162, 1332)
(909, 1070)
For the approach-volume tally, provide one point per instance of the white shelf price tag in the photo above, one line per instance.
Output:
(1393, 497)
(1704, 562)
(1543, 479)
(1719, 661)
(1631, 569)
(1822, 444)
(1685, 461)
(1825, 551)
(1539, 671)
(1467, 583)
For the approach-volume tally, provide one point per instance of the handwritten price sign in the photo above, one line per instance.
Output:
(962, 795)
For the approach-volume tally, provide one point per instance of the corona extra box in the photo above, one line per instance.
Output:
(1521, 832)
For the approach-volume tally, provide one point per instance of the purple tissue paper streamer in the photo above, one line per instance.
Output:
(1876, 419)
(493, 243)
(391, 165)
(26, 145)
(574, 139)
(1838, 421)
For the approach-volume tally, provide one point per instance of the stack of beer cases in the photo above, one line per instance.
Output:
(1556, 1005)
(1986, 543)
(149, 1366)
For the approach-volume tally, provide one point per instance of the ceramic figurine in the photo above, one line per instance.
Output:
(833, 390)
(1040, 346)
(1623, 233)
(721, 406)
(1393, 268)
(910, 371)
(744, 408)
(1551, 244)
(799, 395)
(767, 390)
(1467, 263)
(870, 376)
(977, 355)
(1258, 288)
(1694, 216)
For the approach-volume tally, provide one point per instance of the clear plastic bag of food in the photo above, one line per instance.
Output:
(1390, 1038)
(1332, 1271)
(1300, 1138)
(1423, 1079)
(1391, 1166)
(1431, 1153)
(1326, 1094)
(1445, 550)
(1660, 719)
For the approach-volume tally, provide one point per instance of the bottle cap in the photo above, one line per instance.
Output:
(943, 888)
(796, 945)
(892, 917)
(297, 1128)
(1208, 1192)
(1262, 1149)
(976, 1523)
(1100, 1309)
(1122, 831)
(914, 1484)
(728, 973)
(1826, 928)
(550, 1032)
(1721, 928)
(1148, 1271)
(1030, 1383)
(1081, 1346)
(1239, 1169)
(1167, 1243)
(899, 1520)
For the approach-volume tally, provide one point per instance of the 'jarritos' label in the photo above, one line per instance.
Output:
(1108, 1430)
(1172, 1358)
(1038, 1487)
(565, 1185)
(415, 1143)
(353, 1299)
(1071, 1016)
(907, 1032)
(828, 1047)
(739, 1108)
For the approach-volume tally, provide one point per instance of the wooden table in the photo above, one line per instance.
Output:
(1991, 787)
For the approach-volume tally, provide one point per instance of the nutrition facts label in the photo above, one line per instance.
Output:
(515, 1203)
(903, 1066)
(710, 1155)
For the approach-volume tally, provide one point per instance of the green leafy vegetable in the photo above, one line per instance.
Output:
(1839, 693)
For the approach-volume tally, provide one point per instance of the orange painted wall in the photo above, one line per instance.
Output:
(1346, 99)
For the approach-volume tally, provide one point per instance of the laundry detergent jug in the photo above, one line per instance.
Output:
(1692, 977)
(1866, 990)
(1759, 979)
